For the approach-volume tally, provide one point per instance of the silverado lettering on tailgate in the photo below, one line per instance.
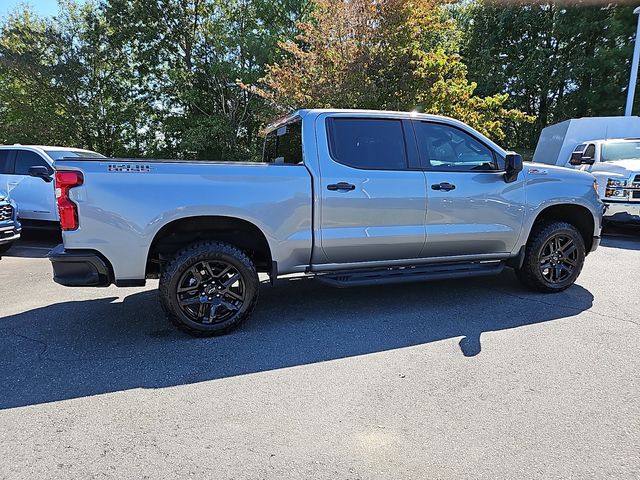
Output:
(129, 167)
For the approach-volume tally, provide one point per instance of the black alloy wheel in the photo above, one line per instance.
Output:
(211, 291)
(559, 259)
(553, 257)
(209, 288)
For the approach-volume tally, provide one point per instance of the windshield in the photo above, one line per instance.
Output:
(58, 154)
(620, 151)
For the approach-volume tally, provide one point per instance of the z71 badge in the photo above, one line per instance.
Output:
(129, 167)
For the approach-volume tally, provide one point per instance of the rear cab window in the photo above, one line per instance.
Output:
(367, 143)
(283, 145)
(58, 154)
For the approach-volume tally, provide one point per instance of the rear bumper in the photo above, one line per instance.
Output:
(79, 268)
(622, 212)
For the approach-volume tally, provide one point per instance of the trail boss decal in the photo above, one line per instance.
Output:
(129, 167)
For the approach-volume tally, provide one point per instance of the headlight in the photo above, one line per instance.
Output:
(612, 182)
(616, 188)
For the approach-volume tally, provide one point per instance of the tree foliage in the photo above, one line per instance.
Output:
(199, 78)
(555, 61)
(136, 77)
(382, 54)
(61, 83)
(189, 55)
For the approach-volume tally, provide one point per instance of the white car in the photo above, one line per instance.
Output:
(35, 198)
(616, 165)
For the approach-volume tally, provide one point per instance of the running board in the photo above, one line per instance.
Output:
(359, 278)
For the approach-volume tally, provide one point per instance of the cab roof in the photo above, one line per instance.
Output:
(301, 114)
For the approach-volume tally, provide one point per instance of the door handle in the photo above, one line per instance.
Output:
(341, 186)
(445, 186)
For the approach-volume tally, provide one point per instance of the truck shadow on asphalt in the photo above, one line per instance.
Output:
(622, 237)
(621, 242)
(34, 243)
(76, 349)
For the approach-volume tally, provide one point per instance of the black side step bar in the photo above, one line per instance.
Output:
(358, 278)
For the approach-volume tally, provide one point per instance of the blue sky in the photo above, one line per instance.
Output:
(43, 7)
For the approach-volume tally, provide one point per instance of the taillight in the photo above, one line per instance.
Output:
(68, 210)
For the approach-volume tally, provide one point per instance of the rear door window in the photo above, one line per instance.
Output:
(367, 143)
(25, 159)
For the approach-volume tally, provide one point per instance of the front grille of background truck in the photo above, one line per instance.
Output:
(6, 212)
(636, 183)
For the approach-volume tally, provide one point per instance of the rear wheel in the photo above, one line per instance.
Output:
(554, 257)
(209, 288)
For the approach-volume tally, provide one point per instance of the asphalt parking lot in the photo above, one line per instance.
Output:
(458, 379)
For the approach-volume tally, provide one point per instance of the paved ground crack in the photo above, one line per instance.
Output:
(25, 337)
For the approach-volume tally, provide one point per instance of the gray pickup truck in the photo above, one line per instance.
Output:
(352, 197)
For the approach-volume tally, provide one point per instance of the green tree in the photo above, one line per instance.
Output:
(189, 56)
(63, 83)
(29, 106)
(142, 78)
(387, 54)
(555, 61)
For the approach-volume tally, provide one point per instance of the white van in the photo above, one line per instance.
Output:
(35, 199)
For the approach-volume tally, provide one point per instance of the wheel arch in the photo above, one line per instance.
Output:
(179, 233)
(575, 214)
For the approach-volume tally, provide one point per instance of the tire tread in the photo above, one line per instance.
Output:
(192, 252)
(527, 273)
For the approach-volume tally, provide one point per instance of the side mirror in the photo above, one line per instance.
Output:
(512, 166)
(578, 159)
(41, 172)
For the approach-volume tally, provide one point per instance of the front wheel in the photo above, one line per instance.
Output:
(553, 258)
(4, 247)
(209, 288)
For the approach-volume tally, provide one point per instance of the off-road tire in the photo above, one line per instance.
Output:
(188, 257)
(530, 273)
(4, 247)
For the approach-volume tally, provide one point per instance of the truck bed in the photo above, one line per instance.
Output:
(124, 203)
